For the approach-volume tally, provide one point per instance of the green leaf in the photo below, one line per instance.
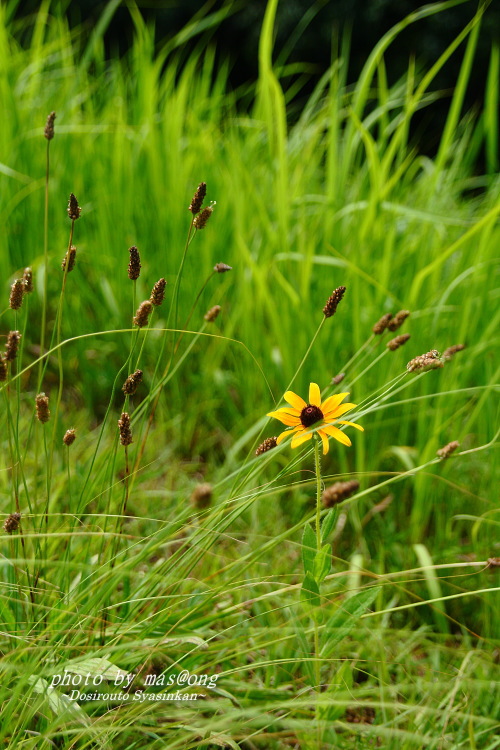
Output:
(345, 618)
(329, 524)
(95, 666)
(308, 549)
(309, 592)
(322, 563)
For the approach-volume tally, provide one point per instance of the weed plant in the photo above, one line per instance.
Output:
(196, 580)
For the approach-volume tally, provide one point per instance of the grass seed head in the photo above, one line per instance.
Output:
(332, 301)
(124, 427)
(69, 437)
(382, 324)
(42, 408)
(12, 346)
(74, 209)
(48, 131)
(213, 313)
(70, 259)
(198, 198)
(158, 292)
(11, 523)
(398, 341)
(200, 221)
(398, 320)
(268, 444)
(222, 268)
(450, 352)
(132, 383)
(429, 361)
(143, 312)
(3, 368)
(338, 378)
(28, 280)
(447, 450)
(201, 497)
(338, 492)
(16, 294)
(134, 266)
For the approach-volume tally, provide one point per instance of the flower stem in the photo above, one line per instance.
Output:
(317, 662)
(317, 464)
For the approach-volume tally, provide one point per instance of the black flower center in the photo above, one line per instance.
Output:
(310, 415)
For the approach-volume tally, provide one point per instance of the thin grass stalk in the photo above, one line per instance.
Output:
(369, 367)
(358, 352)
(58, 327)
(193, 307)
(173, 303)
(45, 264)
(156, 393)
(45, 515)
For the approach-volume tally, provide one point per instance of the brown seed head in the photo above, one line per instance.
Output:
(332, 301)
(134, 266)
(363, 715)
(124, 427)
(3, 368)
(493, 562)
(74, 209)
(338, 378)
(201, 496)
(49, 126)
(398, 341)
(382, 324)
(70, 259)
(213, 313)
(69, 437)
(11, 523)
(447, 450)
(429, 361)
(158, 292)
(268, 444)
(143, 312)
(28, 280)
(12, 346)
(200, 221)
(132, 383)
(451, 351)
(222, 268)
(198, 198)
(42, 408)
(338, 492)
(16, 294)
(398, 320)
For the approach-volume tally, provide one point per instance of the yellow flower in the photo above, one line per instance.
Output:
(316, 416)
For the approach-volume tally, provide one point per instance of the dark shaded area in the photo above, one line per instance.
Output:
(306, 30)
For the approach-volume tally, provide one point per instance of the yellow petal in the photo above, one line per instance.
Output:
(314, 395)
(338, 411)
(285, 434)
(301, 436)
(285, 417)
(351, 424)
(337, 434)
(326, 444)
(332, 402)
(294, 400)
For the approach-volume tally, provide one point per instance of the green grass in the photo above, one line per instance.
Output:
(406, 624)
